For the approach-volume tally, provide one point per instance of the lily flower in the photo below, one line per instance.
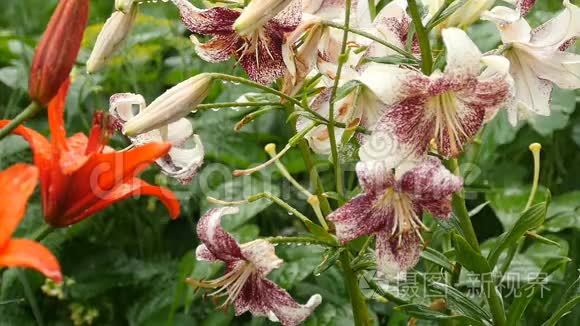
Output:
(259, 53)
(538, 57)
(186, 154)
(361, 106)
(391, 207)
(245, 284)
(449, 107)
(81, 176)
(17, 184)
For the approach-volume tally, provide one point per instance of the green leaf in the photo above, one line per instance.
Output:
(562, 311)
(529, 220)
(424, 312)
(437, 258)
(525, 294)
(344, 90)
(392, 60)
(468, 257)
(508, 203)
(564, 212)
(461, 302)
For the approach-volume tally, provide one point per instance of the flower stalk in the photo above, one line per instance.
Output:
(25, 115)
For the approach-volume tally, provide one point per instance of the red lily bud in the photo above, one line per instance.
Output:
(58, 50)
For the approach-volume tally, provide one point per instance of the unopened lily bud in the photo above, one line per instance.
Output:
(464, 16)
(124, 5)
(257, 13)
(174, 104)
(111, 37)
(56, 54)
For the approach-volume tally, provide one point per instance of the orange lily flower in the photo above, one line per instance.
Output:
(81, 176)
(16, 185)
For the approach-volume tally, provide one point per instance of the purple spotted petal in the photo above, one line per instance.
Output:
(289, 18)
(217, 241)
(214, 21)
(524, 6)
(360, 216)
(374, 176)
(430, 186)
(266, 63)
(262, 297)
(262, 255)
(394, 258)
(218, 49)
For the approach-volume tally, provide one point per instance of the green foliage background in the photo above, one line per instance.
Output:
(129, 262)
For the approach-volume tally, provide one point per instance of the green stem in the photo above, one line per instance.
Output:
(372, 9)
(331, 118)
(42, 232)
(310, 167)
(358, 301)
(495, 304)
(28, 113)
(296, 240)
(244, 81)
(370, 37)
(234, 104)
(423, 36)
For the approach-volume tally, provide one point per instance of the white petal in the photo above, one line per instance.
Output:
(262, 255)
(512, 27)
(561, 68)
(125, 106)
(560, 29)
(389, 83)
(532, 92)
(463, 56)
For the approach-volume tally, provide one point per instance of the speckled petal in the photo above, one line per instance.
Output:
(214, 21)
(265, 64)
(362, 215)
(289, 18)
(218, 49)
(262, 297)
(430, 184)
(463, 56)
(217, 241)
(262, 255)
(558, 31)
(394, 259)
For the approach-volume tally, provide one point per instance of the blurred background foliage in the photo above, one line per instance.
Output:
(127, 265)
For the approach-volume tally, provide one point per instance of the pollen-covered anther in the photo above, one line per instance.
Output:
(444, 109)
(229, 285)
(406, 219)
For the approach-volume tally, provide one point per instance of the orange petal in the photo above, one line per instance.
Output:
(56, 116)
(30, 254)
(135, 187)
(39, 144)
(16, 185)
(105, 171)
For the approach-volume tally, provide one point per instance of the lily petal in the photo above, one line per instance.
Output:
(132, 188)
(463, 56)
(558, 31)
(217, 241)
(431, 186)
(360, 216)
(16, 186)
(214, 21)
(30, 254)
(264, 298)
(262, 254)
(394, 258)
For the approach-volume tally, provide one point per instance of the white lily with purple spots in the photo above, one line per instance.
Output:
(538, 56)
(187, 152)
(362, 106)
(257, 47)
(449, 107)
(244, 284)
(391, 207)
